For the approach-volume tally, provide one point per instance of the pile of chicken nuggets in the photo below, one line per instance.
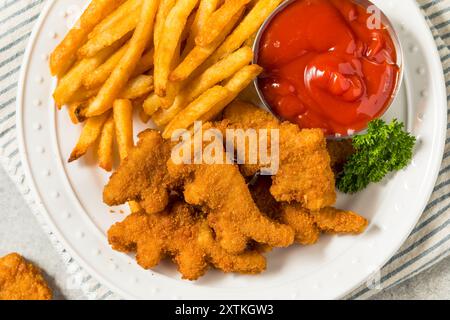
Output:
(225, 216)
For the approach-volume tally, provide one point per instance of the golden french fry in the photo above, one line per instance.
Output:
(138, 104)
(162, 117)
(123, 120)
(163, 11)
(110, 36)
(105, 146)
(167, 45)
(73, 80)
(198, 54)
(122, 73)
(65, 53)
(97, 77)
(250, 41)
(145, 118)
(90, 133)
(196, 109)
(78, 110)
(220, 71)
(82, 94)
(116, 17)
(137, 87)
(101, 74)
(145, 64)
(72, 109)
(218, 21)
(152, 104)
(205, 9)
(172, 88)
(249, 25)
(243, 78)
(235, 85)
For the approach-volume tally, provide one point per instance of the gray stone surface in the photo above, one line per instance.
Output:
(20, 232)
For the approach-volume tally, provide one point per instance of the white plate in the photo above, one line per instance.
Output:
(70, 195)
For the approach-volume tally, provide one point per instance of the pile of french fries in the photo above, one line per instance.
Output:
(177, 61)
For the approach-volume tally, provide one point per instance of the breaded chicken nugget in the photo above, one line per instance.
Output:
(182, 234)
(305, 174)
(307, 225)
(334, 221)
(20, 280)
(142, 176)
(232, 214)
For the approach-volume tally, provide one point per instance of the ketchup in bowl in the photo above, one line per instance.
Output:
(326, 66)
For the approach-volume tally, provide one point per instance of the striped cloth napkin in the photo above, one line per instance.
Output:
(428, 244)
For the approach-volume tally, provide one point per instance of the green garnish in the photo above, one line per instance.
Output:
(384, 148)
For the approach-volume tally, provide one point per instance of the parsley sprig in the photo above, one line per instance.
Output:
(384, 148)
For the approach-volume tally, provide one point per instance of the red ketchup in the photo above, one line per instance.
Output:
(326, 68)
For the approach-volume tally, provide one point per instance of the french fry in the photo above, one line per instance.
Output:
(65, 53)
(73, 80)
(116, 17)
(97, 77)
(78, 110)
(122, 73)
(145, 118)
(164, 9)
(205, 9)
(110, 36)
(152, 104)
(82, 94)
(250, 41)
(145, 64)
(218, 21)
(137, 87)
(218, 72)
(101, 74)
(173, 88)
(235, 85)
(249, 25)
(90, 133)
(72, 110)
(197, 109)
(105, 146)
(123, 120)
(198, 54)
(162, 117)
(138, 104)
(167, 45)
